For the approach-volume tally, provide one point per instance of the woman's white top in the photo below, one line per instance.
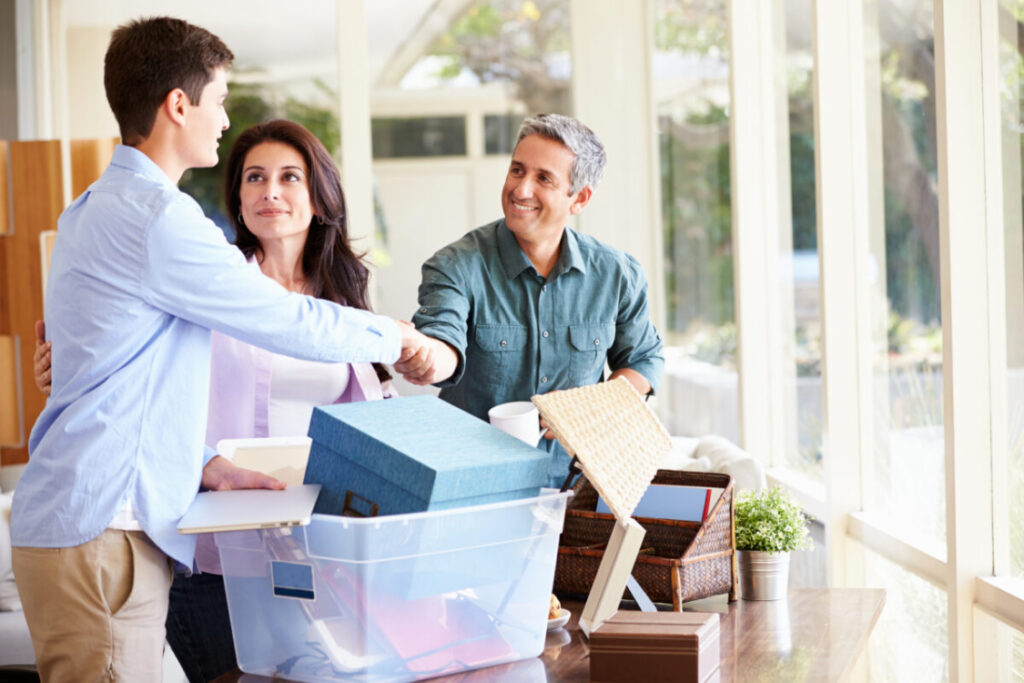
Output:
(296, 387)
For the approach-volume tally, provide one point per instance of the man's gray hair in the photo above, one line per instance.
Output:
(589, 158)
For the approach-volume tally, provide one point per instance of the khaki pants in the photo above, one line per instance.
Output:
(96, 611)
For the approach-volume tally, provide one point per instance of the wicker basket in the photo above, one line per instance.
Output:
(680, 561)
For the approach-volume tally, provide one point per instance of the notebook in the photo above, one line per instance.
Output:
(249, 509)
(687, 503)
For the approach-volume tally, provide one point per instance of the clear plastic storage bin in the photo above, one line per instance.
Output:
(395, 598)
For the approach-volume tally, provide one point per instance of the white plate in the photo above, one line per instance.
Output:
(561, 620)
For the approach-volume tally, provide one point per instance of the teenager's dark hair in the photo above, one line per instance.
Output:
(148, 58)
(333, 271)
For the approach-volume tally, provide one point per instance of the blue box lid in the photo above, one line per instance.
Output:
(429, 447)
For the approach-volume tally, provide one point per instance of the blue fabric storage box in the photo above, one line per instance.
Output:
(415, 454)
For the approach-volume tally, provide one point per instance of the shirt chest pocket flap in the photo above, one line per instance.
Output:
(590, 343)
(593, 337)
(500, 338)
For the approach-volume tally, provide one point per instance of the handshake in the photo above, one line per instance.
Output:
(424, 360)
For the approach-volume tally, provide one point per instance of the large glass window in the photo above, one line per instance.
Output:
(1001, 646)
(1012, 71)
(691, 91)
(450, 83)
(798, 251)
(910, 641)
(905, 482)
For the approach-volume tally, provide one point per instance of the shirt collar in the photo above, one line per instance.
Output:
(514, 261)
(137, 162)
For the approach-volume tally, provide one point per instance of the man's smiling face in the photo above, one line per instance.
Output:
(536, 198)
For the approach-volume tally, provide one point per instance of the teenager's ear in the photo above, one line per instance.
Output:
(174, 106)
(582, 197)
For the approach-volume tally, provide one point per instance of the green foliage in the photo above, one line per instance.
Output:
(692, 26)
(911, 285)
(509, 41)
(697, 219)
(715, 344)
(770, 521)
(802, 189)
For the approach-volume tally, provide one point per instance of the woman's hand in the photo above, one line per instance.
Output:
(41, 359)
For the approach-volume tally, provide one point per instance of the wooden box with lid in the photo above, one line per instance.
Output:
(681, 647)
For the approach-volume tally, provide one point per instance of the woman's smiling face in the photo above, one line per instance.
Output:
(275, 192)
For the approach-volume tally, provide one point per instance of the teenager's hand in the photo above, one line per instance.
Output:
(41, 363)
(220, 474)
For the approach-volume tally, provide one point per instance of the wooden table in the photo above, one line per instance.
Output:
(817, 634)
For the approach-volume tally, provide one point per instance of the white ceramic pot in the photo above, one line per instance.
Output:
(764, 576)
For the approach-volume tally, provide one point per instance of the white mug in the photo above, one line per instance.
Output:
(518, 418)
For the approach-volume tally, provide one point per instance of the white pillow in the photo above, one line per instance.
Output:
(728, 458)
(9, 600)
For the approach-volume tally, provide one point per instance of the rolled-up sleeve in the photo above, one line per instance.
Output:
(194, 274)
(637, 344)
(444, 307)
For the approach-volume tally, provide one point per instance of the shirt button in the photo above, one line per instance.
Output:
(423, 310)
(544, 333)
(597, 342)
(504, 343)
(544, 288)
(544, 379)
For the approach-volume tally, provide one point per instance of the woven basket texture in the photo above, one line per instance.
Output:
(679, 561)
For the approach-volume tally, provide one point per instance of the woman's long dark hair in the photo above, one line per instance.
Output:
(333, 271)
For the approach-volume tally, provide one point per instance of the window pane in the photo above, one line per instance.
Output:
(905, 484)
(799, 251)
(910, 641)
(500, 133)
(428, 136)
(1013, 179)
(691, 88)
(450, 83)
(999, 649)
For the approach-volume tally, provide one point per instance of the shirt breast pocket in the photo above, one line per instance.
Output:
(501, 349)
(590, 343)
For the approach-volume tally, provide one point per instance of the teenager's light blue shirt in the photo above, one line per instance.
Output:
(138, 278)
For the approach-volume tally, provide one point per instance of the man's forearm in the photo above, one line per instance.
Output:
(638, 381)
(445, 360)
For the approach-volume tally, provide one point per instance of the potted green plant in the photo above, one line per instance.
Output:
(769, 525)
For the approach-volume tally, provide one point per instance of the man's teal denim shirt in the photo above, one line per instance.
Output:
(518, 334)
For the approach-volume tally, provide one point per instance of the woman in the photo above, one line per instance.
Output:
(286, 204)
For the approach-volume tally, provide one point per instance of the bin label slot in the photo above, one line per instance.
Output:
(292, 580)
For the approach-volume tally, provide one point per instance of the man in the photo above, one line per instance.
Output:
(138, 278)
(526, 305)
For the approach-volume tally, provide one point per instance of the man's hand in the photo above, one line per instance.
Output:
(220, 474)
(41, 359)
(638, 381)
(417, 357)
(426, 360)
